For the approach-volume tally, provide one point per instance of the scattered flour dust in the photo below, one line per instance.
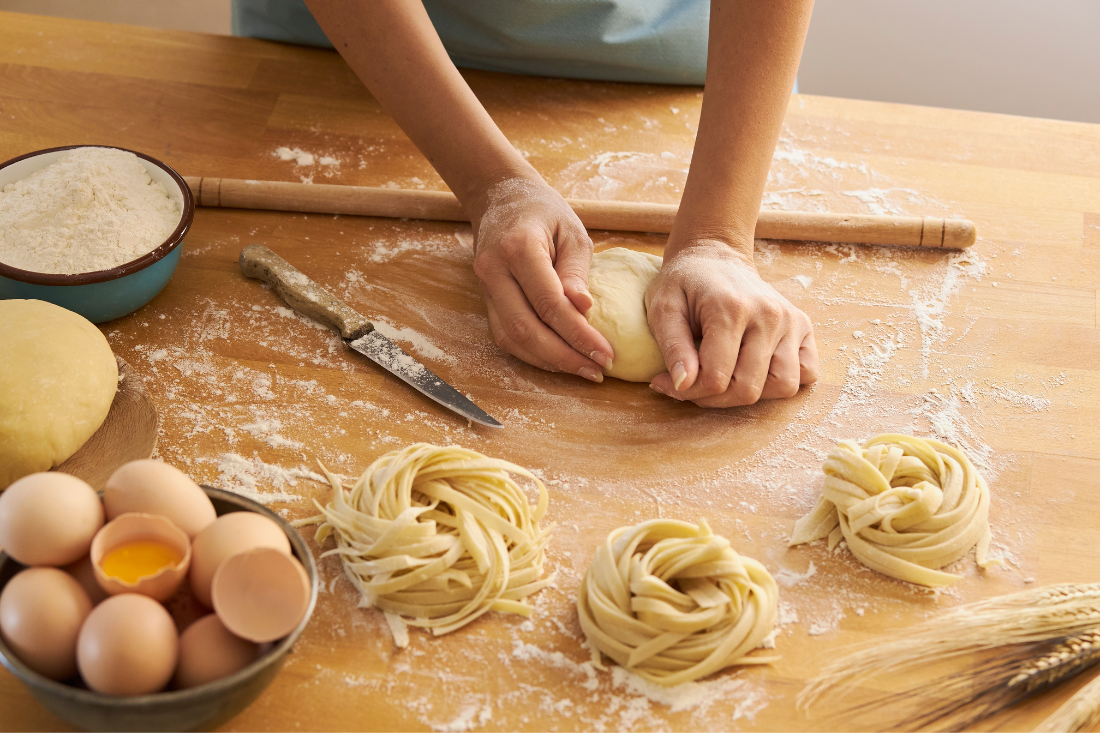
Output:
(877, 199)
(696, 696)
(245, 476)
(329, 165)
(305, 158)
(92, 209)
(631, 696)
(468, 718)
(788, 578)
(611, 175)
(267, 430)
(420, 344)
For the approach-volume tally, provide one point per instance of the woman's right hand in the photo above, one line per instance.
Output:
(531, 258)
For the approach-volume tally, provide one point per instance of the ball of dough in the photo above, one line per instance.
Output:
(618, 279)
(58, 378)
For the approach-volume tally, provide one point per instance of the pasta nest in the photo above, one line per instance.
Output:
(436, 537)
(906, 507)
(672, 602)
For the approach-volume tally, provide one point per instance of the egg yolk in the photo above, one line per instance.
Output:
(136, 560)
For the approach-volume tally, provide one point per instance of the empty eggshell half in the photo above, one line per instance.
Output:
(154, 487)
(127, 528)
(261, 595)
(228, 535)
(209, 651)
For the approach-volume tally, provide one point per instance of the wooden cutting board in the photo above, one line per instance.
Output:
(129, 433)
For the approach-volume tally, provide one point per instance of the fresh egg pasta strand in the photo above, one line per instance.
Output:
(906, 506)
(672, 602)
(436, 537)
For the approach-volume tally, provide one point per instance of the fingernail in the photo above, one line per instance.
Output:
(670, 395)
(601, 358)
(678, 374)
(589, 373)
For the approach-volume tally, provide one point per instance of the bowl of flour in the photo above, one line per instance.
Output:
(93, 229)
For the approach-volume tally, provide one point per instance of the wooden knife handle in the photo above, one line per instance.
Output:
(301, 293)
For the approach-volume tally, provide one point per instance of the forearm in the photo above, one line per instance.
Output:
(752, 61)
(393, 48)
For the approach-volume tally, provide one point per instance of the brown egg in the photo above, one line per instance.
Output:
(41, 612)
(153, 487)
(262, 594)
(184, 608)
(49, 518)
(209, 651)
(127, 646)
(141, 553)
(84, 573)
(230, 534)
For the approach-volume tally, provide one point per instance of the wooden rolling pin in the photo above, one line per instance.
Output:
(402, 203)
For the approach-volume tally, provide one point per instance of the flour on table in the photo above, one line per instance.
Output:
(91, 210)
(304, 157)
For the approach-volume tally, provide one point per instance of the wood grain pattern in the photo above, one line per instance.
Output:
(128, 433)
(995, 349)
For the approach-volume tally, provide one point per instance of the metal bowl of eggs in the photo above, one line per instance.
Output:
(94, 229)
(194, 694)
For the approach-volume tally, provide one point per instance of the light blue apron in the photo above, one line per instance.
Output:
(654, 41)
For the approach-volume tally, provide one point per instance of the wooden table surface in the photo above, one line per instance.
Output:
(994, 349)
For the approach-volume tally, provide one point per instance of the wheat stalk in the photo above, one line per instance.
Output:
(1027, 642)
(1080, 712)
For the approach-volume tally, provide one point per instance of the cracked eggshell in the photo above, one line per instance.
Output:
(228, 535)
(133, 528)
(261, 595)
(154, 487)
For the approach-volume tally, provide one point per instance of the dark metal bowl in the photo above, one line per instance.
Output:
(198, 708)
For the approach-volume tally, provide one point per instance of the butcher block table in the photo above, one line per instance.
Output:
(994, 349)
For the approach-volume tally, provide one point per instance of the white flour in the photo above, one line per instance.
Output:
(93, 209)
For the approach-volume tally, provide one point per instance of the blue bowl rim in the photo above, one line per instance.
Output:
(282, 647)
(127, 268)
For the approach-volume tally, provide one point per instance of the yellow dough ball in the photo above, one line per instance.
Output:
(58, 378)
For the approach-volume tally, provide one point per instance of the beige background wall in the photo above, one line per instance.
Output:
(1025, 57)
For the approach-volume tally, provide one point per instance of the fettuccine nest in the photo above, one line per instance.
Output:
(905, 506)
(437, 537)
(672, 602)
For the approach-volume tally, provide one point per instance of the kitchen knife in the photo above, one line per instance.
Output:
(310, 299)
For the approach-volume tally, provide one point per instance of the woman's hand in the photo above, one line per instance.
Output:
(755, 344)
(532, 253)
(531, 261)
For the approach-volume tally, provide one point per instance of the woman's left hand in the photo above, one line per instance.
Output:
(754, 343)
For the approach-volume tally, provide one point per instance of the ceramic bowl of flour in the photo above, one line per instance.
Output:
(70, 255)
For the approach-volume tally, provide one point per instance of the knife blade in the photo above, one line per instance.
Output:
(313, 301)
